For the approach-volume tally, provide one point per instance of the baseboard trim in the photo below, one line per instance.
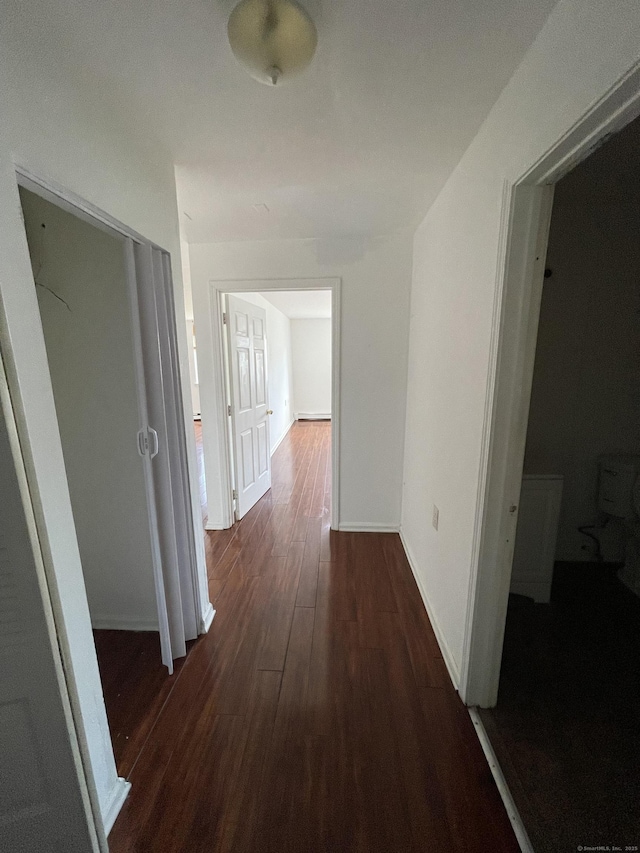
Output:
(117, 623)
(367, 527)
(282, 437)
(315, 416)
(209, 526)
(118, 795)
(207, 619)
(496, 771)
(452, 667)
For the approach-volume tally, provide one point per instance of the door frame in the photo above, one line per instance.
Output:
(57, 595)
(87, 212)
(524, 227)
(218, 288)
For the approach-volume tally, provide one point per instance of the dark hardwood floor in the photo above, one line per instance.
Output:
(135, 687)
(317, 713)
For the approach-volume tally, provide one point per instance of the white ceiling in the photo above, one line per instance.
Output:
(360, 144)
(301, 304)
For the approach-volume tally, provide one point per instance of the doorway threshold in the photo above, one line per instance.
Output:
(499, 778)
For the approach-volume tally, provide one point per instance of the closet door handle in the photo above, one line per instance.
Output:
(154, 445)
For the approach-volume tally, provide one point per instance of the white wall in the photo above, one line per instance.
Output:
(580, 53)
(64, 127)
(92, 366)
(311, 347)
(188, 310)
(376, 278)
(279, 371)
(585, 397)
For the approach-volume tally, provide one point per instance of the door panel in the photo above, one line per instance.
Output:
(244, 380)
(263, 453)
(248, 474)
(261, 379)
(249, 395)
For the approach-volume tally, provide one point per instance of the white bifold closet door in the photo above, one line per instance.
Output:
(162, 444)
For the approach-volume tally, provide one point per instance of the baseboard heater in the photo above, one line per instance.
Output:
(313, 416)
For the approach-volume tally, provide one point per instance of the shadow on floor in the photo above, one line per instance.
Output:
(566, 730)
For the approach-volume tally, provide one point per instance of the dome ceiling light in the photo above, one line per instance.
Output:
(272, 39)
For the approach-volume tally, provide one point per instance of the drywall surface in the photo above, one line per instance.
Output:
(91, 362)
(376, 278)
(279, 370)
(583, 49)
(61, 125)
(585, 399)
(311, 347)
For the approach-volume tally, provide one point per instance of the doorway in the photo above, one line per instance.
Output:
(282, 308)
(565, 728)
(102, 298)
(278, 372)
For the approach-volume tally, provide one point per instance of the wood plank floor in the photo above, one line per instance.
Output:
(317, 713)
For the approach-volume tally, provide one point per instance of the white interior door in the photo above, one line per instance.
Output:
(41, 786)
(247, 341)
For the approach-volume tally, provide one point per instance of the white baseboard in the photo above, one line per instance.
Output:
(210, 526)
(207, 619)
(313, 416)
(282, 437)
(452, 666)
(510, 806)
(118, 623)
(114, 803)
(367, 527)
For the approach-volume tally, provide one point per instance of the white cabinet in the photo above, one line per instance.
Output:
(536, 534)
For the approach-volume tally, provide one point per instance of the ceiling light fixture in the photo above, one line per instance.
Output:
(273, 39)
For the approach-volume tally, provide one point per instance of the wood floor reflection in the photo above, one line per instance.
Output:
(317, 713)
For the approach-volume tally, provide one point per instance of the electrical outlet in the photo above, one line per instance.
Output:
(435, 517)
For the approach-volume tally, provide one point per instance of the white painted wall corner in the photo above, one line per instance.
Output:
(282, 437)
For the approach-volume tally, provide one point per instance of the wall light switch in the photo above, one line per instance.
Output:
(435, 517)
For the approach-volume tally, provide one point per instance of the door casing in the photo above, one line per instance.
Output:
(87, 212)
(217, 290)
(524, 227)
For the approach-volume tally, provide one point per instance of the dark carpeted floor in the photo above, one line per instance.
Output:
(567, 726)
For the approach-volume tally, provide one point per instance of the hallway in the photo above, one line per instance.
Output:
(317, 713)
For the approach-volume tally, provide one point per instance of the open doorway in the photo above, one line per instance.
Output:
(276, 363)
(129, 508)
(566, 725)
(278, 372)
(278, 377)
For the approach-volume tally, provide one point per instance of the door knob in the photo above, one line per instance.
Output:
(269, 411)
